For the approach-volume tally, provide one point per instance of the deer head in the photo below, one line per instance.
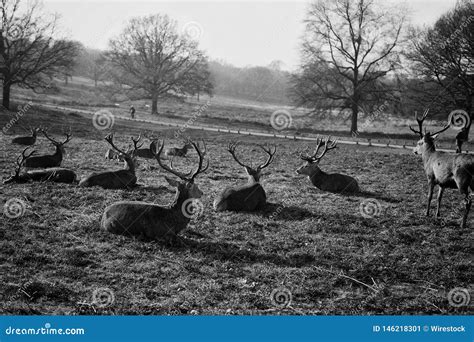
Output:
(127, 157)
(311, 167)
(186, 187)
(58, 144)
(253, 173)
(426, 142)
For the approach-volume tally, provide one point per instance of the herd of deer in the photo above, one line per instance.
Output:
(165, 222)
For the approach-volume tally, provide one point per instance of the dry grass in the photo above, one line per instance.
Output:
(315, 245)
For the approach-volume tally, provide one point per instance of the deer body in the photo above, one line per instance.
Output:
(152, 220)
(53, 160)
(178, 152)
(247, 197)
(119, 179)
(444, 170)
(331, 182)
(30, 140)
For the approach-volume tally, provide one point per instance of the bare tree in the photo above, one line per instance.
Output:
(348, 48)
(154, 57)
(442, 56)
(29, 55)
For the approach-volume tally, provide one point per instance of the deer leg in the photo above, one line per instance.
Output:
(440, 195)
(467, 199)
(430, 196)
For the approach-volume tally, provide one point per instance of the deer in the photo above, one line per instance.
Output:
(453, 171)
(331, 182)
(178, 152)
(119, 179)
(49, 160)
(149, 220)
(27, 140)
(55, 174)
(144, 152)
(250, 196)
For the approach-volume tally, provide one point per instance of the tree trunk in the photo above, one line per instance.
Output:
(154, 105)
(6, 95)
(355, 113)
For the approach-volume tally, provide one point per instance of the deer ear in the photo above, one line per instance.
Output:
(172, 182)
(435, 136)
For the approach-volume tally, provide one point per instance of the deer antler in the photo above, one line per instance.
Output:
(110, 139)
(313, 158)
(231, 148)
(136, 141)
(270, 153)
(201, 154)
(170, 169)
(420, 123)
(21, 159)
(67, 134)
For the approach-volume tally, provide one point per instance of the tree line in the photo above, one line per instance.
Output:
(356, 57)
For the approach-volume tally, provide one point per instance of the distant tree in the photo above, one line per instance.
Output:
(154, 57)
(198, 80)
(442, 57)
(29, 56)
(348, 49)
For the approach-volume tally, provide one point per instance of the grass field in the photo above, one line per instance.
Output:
(330, 254)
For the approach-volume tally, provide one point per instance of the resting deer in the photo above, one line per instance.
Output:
(247, 197)
(52, 160)
(151, 220)
(120, 179)
(55, 174)
(443, 169)
(29, 140)
(143, 152)
(178, 152)
(332, 182)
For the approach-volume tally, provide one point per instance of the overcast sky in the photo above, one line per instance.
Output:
(239, 32)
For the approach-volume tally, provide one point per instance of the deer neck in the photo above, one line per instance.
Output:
(251, 180)
(427, 153)
(129, 165)
(59, 152)
(318, 177)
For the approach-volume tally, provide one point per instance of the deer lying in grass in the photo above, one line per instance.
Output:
(147, 153)
(28, 140)
(332, 182)
(55, 174)
(52, 160)
(178, 152)
(151, 220)
(120, 179)
(247, 197)
(443, 169)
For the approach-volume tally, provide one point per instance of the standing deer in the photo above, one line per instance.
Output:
(28, 140)
(120, 179)
(178, 152)
(55, 174)
(52, 160)
(247, 197)
(443, 169)
(332, 182)
(154, 221)
(147, 153)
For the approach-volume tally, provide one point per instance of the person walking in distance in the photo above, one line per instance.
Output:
(132, 112)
